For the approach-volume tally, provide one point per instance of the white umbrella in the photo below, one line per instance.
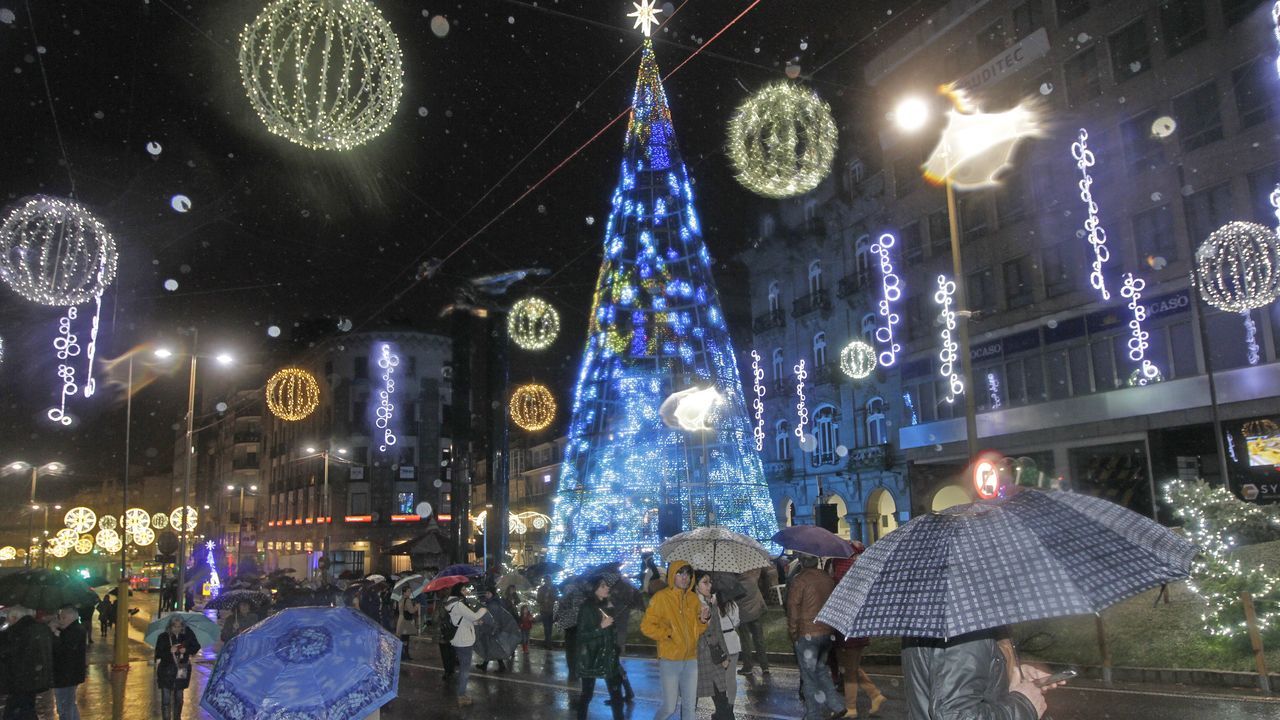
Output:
(408, 584)
(715, 549)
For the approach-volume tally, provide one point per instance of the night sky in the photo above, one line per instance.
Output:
(278, 235)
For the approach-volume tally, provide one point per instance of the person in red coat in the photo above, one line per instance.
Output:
(846, 653)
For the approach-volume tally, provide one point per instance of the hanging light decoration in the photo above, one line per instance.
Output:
(59, 551)
(143, 535)
(84, 544)
(80, 519)
(890, 293)
(533, 323)
(292, 394)
(159, 521)
(949, 355)
(136, 518)
(1238, 267)
(8, 552)
(108, 522)
(858, 359)
(107, 538)
(802, 403)
(782, 141)
(757, 403)
(533, 407)
(388, 361)
(175, 519)
(326, 75)
(55, 252)
(67, 536)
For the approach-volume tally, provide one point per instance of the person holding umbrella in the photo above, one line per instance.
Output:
(69, 661)
(547, 608)
(26, 655)
(750, 614)
(174, 650)
(464, 620)
(675, 620)
(406, 623)
(597, 648)
(241, 619)
(807, 592)
(714, 658)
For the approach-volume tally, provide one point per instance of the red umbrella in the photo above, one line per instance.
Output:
(446, 581)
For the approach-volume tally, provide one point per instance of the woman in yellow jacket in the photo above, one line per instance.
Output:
(675, 620)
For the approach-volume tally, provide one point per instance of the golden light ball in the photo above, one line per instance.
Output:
(292, 394)
(533, 407)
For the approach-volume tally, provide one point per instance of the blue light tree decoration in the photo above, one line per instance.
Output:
(215, 583)
(656, 327)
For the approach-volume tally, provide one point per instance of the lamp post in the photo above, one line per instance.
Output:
(325, 511)
(48, 468)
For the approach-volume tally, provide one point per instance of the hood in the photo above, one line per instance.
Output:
(675, 567)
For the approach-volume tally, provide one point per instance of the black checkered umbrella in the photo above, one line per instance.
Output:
(973, 567)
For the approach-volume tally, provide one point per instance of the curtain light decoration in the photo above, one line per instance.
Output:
(976, 147)
(385, 414)
(215, 583)
(66, 347)
(656, 326)
(949, 355)
(993, 391)
(757, 403)
(802, 407)
(890, 293)
(533, 324)
(175, 519)
(1138, 337)
(55, 252)
(533, 407)
(326, 75)
(1251, 338)
(782, 140)
(858, 359)
(292, 394)
(910, 405)
(81, 519)
(1238, 267)
(1092, 225)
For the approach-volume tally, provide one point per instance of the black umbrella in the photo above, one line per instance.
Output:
(46, 590)
(539, 569)
(228, 599)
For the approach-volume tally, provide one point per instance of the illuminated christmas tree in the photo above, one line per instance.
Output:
(215, 583)
(656, 328)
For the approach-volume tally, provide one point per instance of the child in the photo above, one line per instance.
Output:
(526, 624)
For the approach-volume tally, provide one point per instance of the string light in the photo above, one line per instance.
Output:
(325, 75)
(910, 405)
(1238, 267)
(66, 347)
(143, 535)
(292, 394)
(993, 391)
(858, 359)
(136, 518)
(108, 540)
(533, 323)
(757, 403)
(802, 408)
(1138, 337)
(175, 519)
(385, 415)
(890, 292)
(8, 552)
(159, 521)
(949, 355)
(1092, 225)
(782, 141)
(1251, 339)
(107, 522)
(55, 252)
(533, 407)
(80, 519)
(84, 544)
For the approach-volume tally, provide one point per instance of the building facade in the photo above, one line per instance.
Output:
(1178, 101)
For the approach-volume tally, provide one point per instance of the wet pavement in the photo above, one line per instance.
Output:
(537, 688)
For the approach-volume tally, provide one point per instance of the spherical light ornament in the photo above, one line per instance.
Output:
(292, 394)
(108, 522)
(533, 407)
(54, 252)
(858, 359)
(136, 518)
(159, 521)
(106, 538)
(67, 536)
(144, 536)
(533, 324)
(8, 552)
(326, 75)
(175, 519)
(1238, 267)
(782, 141)
(81, 519)
(84, 544)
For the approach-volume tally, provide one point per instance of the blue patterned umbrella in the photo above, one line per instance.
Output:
(315, 663)
(973, 567)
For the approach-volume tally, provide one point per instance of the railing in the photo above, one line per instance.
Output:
(851, 284)
(248, 437)
(811, 303)
(870, 456)
(770, 320)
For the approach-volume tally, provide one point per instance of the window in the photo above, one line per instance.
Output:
(359, 411)
(1261, 184)
(1069, 10)
(869, 322)
(1103, 353)
(974, 215)
(1198, 117)
(855, 172)
(361, 369)
(912, 244)
(1207, 211)
(779, 365)
(862, 261)
(1060, 269)
(1233, 11)
(827, 432)
(815, 277)
(358, 501)
(1084, 83)
(991, 41)
(1182, 22)
(1130, 51)
(1018, 290)
(360, 455)
(906, 175)
(819, 350)
(876, 434)
(1183, 350)
(991, 387)
(917, 326)
(1153, 235)
(782, 440)
(404, 503)
(1142, 150)
(980, 291)
(1253, 94)
(775, 297)
(939, 233)
(1014, 198)
(1027, 18)
(811, 221)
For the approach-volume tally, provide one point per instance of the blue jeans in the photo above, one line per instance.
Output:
(679, 687)
(463, 655)
(65, 700)
(815, 677)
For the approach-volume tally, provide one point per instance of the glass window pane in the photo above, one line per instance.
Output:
(1059, 375)
(1253, 84)
(1183, 347)
(1080, 370)
(1142, 150)
(1084, 82)
(1183, 24)
(1015, 391)
(1226, 341)
(1198, 116)
(1130, 51)
(1104, 370)
(1033, 379)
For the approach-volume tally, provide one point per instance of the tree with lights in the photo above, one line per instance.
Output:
(656, 328)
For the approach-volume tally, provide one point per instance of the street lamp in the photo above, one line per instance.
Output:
(325, 511)
(911, 114)
(240, 521)
(48, 469)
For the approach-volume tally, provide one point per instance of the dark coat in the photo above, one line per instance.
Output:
(966, 678)
(26, 654)
(236, 624)
(171, 656)
(498, 636)
(712, 651)
(597, 647)
(69, 656)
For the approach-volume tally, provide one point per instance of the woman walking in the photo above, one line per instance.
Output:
(406, 623)
(597, 649)
(846, 653)
(174, 650)
(714, 664)
(464, 619)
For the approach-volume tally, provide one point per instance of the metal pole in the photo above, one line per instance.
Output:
(186, 482)
(962, 302)
(328, 523)
(1213, 392)
(120, 660)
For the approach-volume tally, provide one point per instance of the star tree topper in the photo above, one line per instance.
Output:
(646, 14)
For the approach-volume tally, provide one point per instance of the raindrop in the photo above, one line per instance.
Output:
(511, 20)
(306, 213)
(804, 44)
(184, 269)
(542, 209)
(1163, 126)
(170, 284)
(273, 331)
(1046, 88)
(98, 115)
(6, 16)
(1157, 197)
(440, 25)
(181, 203)
(1083, 38)
(591, 220)
(1157, 262)
(668, 9)
(842, 451)
(344, 324)
(154, 148)
(151, 452)
(1135, 66)
(793, 70)
(448, 113)
(437, 482)
(1052, 324)
(220, 407)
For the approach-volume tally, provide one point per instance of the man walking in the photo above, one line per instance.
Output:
(676, 618)
(806, 594)
(69, 660)
(547, 608)
(751, 614)
(26, 656)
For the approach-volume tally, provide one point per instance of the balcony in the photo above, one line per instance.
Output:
(823, 374)
(768, 321)
(777, 470)
(248, 437)
(862, 458)
(811, 303)
(852, 284)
